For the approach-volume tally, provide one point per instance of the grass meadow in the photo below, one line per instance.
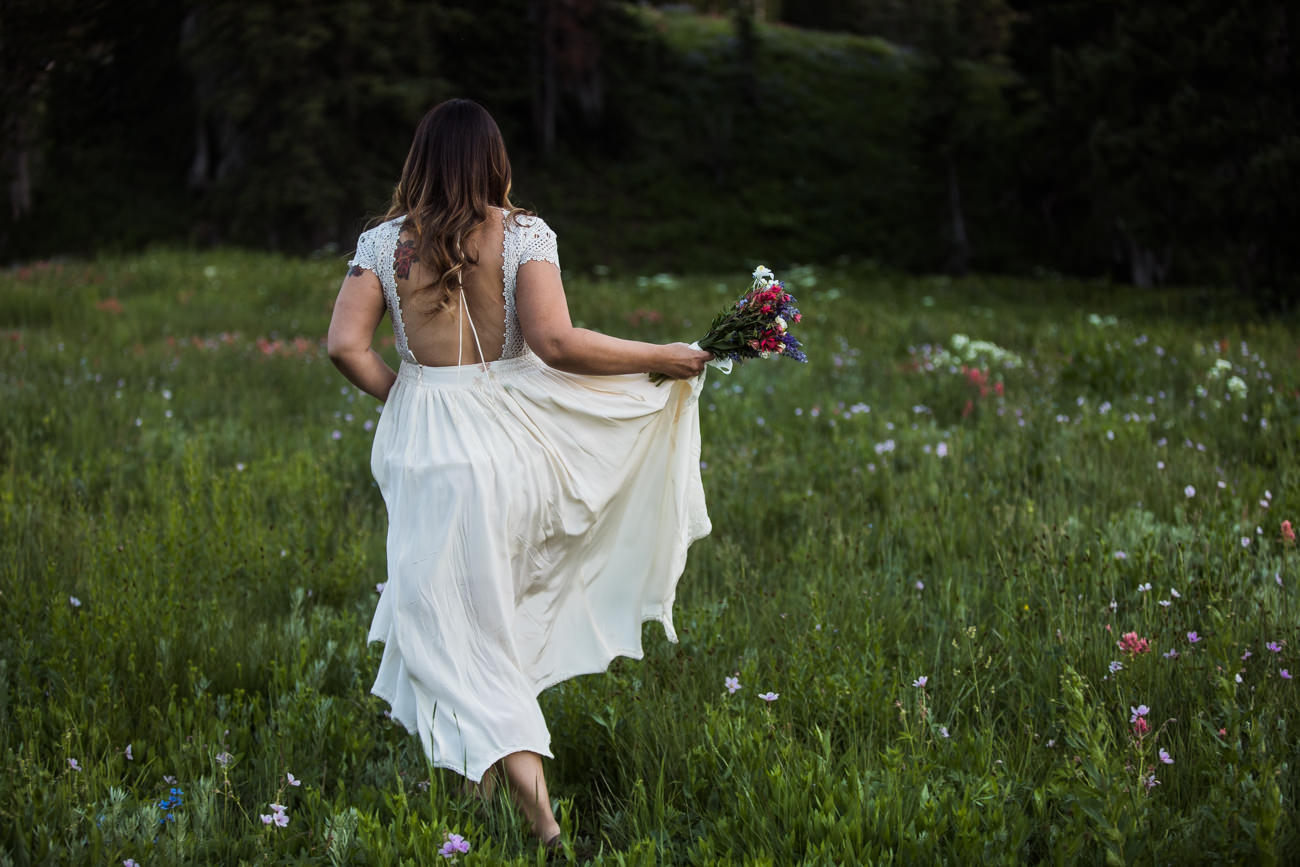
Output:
(932, 542)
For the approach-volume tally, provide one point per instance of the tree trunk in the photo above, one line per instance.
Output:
(20, 186)
(746, 12)
(959, 251)
(1147, 266)
(544, 97)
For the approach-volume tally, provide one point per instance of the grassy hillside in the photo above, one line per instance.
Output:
(814, 168)
(929, 547)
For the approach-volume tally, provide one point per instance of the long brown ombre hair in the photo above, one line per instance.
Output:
(457, 169)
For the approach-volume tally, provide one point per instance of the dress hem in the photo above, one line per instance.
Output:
(629, 652)
(460, 768)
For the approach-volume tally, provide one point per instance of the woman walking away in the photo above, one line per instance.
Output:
(541, 491)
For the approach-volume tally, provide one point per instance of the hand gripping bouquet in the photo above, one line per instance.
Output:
(756, 326)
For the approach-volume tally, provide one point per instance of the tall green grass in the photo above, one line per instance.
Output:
(190, 543)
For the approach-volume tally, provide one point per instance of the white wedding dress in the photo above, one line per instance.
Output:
(536, 519)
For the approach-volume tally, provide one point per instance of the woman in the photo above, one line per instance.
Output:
(541, 491)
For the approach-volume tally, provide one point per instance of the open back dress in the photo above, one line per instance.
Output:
(536, 519)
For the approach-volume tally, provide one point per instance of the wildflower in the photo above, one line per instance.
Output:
(942, 451)
(1113, 605)
(74, 764)
(1173, 591)
(1247, 655)
(1274, 646)
(1150, 782)
(281, 819)
(1120, 555)
(943, 731)
(762, 272)
(1245, 541)
(1286, 675)
(223, 758)
(1189, 491)
(1143, 588)
(1192, 637)
(921, 681)
(770, 696)
(127, 751)
(1288, 534)
(732, 684)
(266, 819)
(919, 585)
(239, 467)
(1140, 727)
(1165, 603)
(338, 435)
(1131, 644)
(130, 862)
(1115, 665)
(454, 843)
(74, 602)
(379, 588)
(1172, 654)
(293, 781)
(1137, 712)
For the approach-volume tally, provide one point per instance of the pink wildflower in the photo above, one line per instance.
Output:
(1132, 644)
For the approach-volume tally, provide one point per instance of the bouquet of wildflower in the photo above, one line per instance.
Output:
(756, 326)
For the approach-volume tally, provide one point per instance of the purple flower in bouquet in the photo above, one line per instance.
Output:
(756, 326)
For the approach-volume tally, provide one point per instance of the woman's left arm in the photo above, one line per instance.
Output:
(357, 312)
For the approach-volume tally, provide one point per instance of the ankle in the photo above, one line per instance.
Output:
(547, 832)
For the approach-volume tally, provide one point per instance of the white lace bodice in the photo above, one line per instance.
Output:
(526, 239)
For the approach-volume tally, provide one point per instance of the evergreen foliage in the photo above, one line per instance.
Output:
(1154, 142)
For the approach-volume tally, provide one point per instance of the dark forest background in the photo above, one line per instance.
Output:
(1151, 142)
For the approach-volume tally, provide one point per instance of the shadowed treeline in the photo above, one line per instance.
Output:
(1154, 142)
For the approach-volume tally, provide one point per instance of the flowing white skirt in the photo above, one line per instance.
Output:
(535, 519)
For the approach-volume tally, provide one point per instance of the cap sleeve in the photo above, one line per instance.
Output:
(538, 243)
(365, 256)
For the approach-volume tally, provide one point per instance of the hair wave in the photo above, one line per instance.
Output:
(455, 173)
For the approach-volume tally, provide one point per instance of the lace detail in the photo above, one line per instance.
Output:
(375, 249)
(526, 239)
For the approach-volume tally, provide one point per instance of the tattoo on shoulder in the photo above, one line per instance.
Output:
(403, 256)
(356, 271)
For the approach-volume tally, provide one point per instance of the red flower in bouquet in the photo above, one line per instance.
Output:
(756, 326)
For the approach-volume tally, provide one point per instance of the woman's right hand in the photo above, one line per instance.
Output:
(681, 361)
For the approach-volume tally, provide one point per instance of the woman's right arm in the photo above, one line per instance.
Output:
(357, 312)
(544, 317)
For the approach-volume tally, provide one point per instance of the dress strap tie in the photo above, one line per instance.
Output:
(461, 308)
